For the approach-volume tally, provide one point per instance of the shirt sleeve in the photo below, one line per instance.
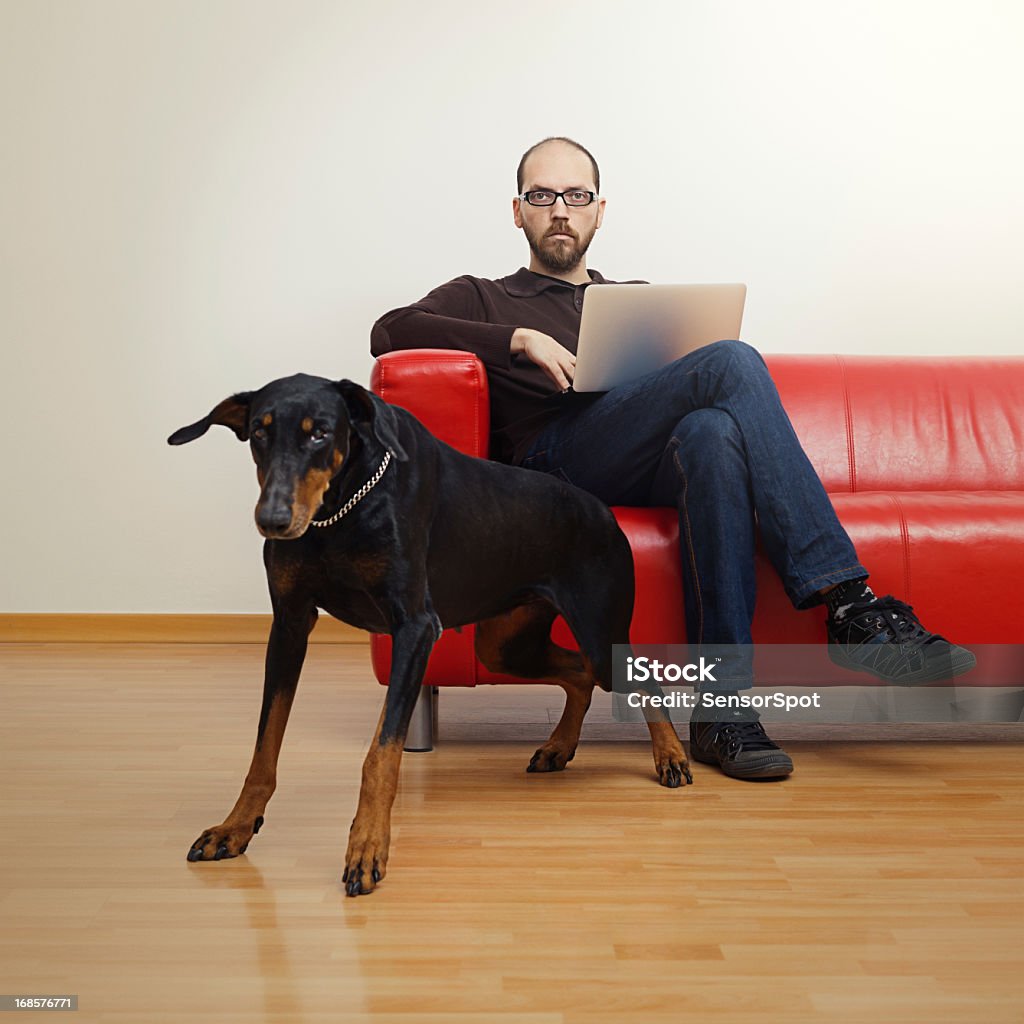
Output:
(451, 316)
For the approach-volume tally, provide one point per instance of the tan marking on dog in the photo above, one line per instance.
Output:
(560, 748)
(307, 425)
(284, 576)
(519, 642)
(237, 829)
(370, 568)
(267, 419)
(231, 414)
(668, 751)
(309, 492)
(336, 460)
(369, 838)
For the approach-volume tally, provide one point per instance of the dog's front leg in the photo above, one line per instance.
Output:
(286, 652)
(370, 836)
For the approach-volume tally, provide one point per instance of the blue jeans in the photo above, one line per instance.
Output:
(708, 435)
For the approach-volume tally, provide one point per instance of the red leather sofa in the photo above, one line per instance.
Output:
(923, 459)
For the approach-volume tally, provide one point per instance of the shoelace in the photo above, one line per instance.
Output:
(737, 736)
(891, 615)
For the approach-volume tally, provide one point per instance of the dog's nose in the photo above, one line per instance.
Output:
(273, 519)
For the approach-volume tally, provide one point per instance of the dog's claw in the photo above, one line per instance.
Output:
(219, 841)
(360, 878)
(549, 760)
(257, 824)
(673, 774)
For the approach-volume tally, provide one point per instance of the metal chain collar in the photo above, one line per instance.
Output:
(357, 497)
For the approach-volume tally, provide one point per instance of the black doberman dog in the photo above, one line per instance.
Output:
(413, 537)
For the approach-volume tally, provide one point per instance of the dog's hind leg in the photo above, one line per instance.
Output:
(286, 651)
(607, 624)
(519, 642)
(560, 747)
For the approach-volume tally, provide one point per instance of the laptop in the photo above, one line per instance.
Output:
(632, 329)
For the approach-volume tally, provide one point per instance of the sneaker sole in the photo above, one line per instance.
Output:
(774, 765)
(957, 665)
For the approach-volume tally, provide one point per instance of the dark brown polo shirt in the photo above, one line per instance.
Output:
(478, 315)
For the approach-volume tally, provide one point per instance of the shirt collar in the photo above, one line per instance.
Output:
(525, 284)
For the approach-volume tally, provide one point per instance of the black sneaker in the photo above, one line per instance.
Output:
(884, 638)
(737, 743)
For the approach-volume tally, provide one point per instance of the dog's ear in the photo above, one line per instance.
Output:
(233, 412)
(371, 416)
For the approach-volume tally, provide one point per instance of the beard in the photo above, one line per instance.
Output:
(559, 255)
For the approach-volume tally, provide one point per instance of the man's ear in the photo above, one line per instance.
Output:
(233, 412)
(517, 212)
(371, 417)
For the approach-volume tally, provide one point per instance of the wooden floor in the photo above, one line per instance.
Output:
(882, 882)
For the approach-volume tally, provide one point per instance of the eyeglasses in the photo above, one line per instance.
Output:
(542, 197)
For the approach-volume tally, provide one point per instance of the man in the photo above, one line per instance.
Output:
(706, 434)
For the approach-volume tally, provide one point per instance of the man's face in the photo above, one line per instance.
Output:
(559, 235)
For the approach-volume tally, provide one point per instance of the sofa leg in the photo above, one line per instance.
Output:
(423, 724)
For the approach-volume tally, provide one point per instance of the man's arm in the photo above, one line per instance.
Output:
(454, 316)
(451, 316)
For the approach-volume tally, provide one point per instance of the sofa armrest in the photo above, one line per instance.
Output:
(445, 390)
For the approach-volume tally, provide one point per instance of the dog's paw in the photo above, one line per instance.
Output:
(673, 771)
(550, 759)
(224, 841)
(366, 862)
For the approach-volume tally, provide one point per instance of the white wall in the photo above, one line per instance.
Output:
(200, 196)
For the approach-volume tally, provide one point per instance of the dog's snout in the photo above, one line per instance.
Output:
(273, 518)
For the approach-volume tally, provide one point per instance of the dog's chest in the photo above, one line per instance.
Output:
(350, 588)
(345, 585)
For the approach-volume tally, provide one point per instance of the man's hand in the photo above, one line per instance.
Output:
(554, 359)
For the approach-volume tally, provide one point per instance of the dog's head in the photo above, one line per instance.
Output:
(301, 432)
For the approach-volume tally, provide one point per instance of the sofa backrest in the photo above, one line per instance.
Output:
(868, 423)
(873, 423)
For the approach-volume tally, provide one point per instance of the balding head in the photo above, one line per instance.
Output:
(556, 140)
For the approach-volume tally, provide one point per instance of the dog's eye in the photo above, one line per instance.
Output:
(320, 434)
(259, 434)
